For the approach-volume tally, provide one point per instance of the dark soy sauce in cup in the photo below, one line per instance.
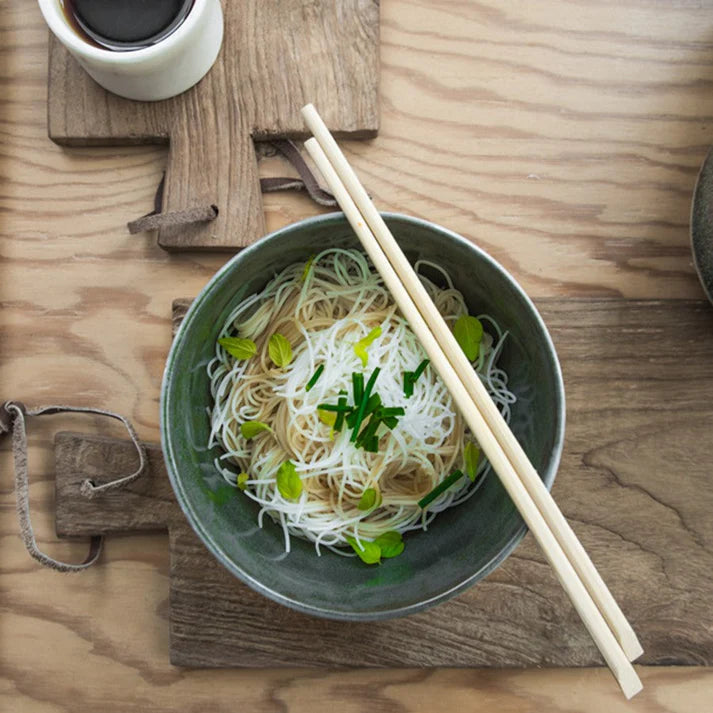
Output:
(123, 25)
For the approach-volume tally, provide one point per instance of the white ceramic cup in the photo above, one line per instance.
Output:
(159, 71)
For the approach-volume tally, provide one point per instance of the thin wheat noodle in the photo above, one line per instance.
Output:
(323, 311)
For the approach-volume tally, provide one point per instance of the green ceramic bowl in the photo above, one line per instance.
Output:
(463, 544)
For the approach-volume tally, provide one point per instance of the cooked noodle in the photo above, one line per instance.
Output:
(323, 311)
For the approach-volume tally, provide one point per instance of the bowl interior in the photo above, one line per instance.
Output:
(463, 543)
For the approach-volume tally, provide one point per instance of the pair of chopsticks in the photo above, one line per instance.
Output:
(590, 596)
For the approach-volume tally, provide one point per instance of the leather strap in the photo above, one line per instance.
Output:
(201, 214)
(13, 415)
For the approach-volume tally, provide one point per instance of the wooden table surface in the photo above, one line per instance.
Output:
(563, 137)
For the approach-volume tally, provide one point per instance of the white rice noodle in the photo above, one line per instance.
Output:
(340, 302)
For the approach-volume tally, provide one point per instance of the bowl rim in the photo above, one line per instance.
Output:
(172, 466)
(699, 230)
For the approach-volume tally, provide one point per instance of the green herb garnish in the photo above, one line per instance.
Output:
(471, 456)
(327, 417)
(454, 477)
(367, 551)
(330, 419)
(363, 344)
(408, 384)
(250, 429)
(391, 544)
(339, 422)
(372, 404)
(364, 399)
(388, 544)
(368, 432)
(410, 377)
(370, 498)
(468, 332)
(391, 411)
(388, 415)
(357, 386)
(308, 267)
(280, 350)
(288, 481)
(314, 377)
(242, 482)
(364, 417)
(420, 369)
(337, 408)
(239, 348)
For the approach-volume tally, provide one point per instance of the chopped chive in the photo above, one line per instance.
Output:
(314, 377)
(372, 446)
(358, 387)
(339, 423)
(369, 431)
(373, 404)
(454, 477)
(362, 406)
(391, 411)
(408, 384)
(390, 421)
(410, 377)
(337, 408)
(351, 418)
(420, 369)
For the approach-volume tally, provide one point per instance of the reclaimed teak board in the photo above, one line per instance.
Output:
(635, 482)
(277, 55)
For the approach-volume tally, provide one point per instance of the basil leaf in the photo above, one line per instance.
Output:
(288, 482)
(279, 350)
(363, 344)
(391, 544)
(242, 481)
(468, 332)
(239, 348)
(368, 552)
(471, 456)
(250, 429)
(222, 494)
(370, 498)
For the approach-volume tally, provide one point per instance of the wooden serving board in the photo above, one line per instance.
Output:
(277, 55)
(635, 482)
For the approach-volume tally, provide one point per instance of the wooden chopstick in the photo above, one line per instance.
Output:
(555, 519)
(580, 597)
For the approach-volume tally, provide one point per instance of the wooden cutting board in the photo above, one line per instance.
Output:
(635, 482)
(277, 55)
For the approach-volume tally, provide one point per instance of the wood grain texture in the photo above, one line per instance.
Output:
(563, 137)
(654, 547)
(277, 55)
